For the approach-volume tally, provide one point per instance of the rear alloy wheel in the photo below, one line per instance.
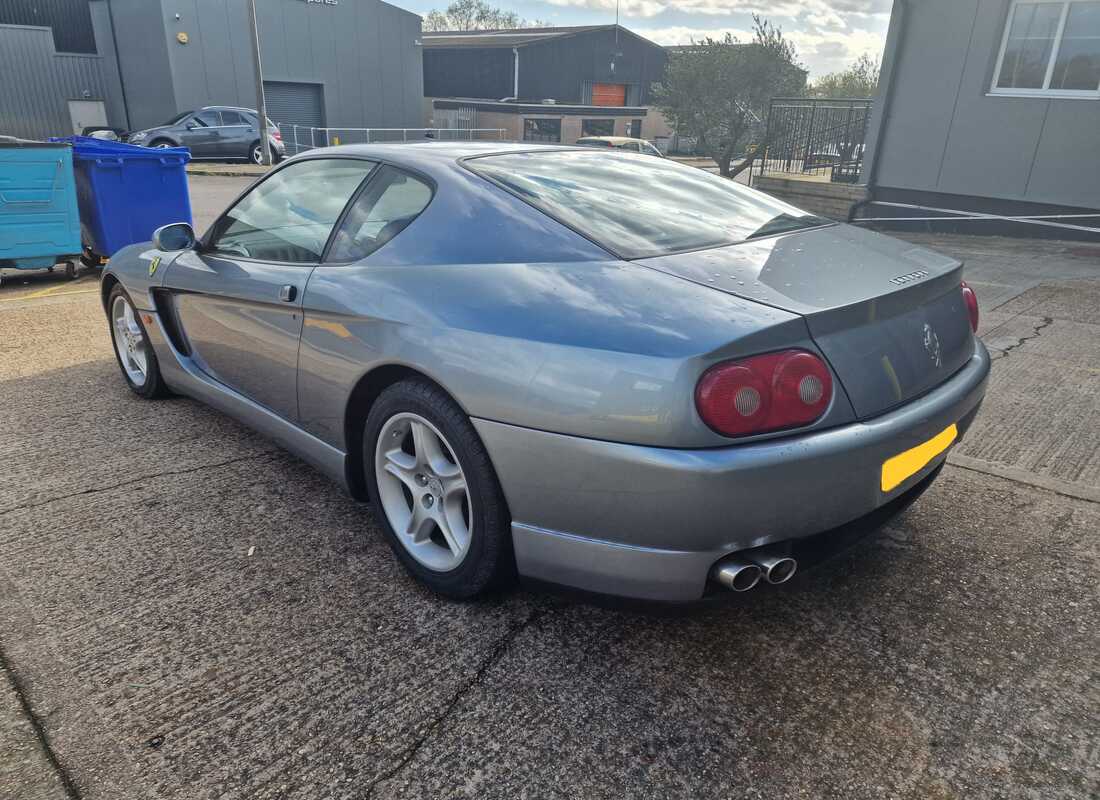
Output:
(132, 349)
(435, 490)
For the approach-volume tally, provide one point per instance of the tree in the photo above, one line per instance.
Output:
(860, 79)
(475, 15)
(718, 90)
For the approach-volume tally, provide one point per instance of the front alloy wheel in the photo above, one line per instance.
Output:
(135, 354)
(130, 344)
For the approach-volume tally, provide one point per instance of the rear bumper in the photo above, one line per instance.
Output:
(649, 523)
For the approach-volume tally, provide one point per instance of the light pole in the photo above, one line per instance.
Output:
(261, 103)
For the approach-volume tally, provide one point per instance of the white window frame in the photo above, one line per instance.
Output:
(1077, 94)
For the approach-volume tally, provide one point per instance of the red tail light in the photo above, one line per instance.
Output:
(765, 393)
(971, 305)
(277, 136)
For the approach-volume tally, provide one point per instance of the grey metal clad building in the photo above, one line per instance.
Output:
(338, 63)
(545, 84)
(989, 105)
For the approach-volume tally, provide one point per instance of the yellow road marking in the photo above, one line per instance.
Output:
(903, 465)
(51, 292)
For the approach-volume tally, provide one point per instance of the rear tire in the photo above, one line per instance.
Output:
(435, 491)
(133, 351)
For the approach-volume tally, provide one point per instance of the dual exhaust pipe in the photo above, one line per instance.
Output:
(743, 573)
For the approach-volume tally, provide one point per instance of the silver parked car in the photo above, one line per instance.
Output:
(218, 133)
(593, 368)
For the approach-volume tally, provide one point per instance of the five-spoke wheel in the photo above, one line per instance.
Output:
(132, 349)
(435, 491)
(130, 344)
(424, 492)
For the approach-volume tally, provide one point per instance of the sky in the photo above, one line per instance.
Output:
(829, 34)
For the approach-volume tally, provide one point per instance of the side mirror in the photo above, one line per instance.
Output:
(177, 236)
(190, 126)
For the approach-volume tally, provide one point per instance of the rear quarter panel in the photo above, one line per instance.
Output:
(605, 350)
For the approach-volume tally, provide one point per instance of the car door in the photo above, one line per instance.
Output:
(238, 296)
(236, 134)
(346, 305)
(201, 134)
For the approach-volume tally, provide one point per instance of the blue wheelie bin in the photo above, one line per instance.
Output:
(126, 192)
(39, 223)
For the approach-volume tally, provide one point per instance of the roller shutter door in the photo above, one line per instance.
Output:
(294, 104)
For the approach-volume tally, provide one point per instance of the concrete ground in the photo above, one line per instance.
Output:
(187, 611)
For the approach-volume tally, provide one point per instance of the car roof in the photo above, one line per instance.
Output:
(611, 139)
(433, 155)
(227, 108)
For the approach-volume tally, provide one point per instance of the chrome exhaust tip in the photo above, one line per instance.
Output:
(775, 568)
(737, 576)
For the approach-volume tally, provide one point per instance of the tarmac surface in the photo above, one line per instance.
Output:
(186, 611)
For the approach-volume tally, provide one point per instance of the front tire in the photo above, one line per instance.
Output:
(435, 491)
(133, 351)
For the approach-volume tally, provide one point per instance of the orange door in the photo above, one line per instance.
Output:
(609, 94)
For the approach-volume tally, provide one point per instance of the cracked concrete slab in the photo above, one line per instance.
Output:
(25, 768)
(196, 614)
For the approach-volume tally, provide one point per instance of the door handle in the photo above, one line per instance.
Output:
(288, 293)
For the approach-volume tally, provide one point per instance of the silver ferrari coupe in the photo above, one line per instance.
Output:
(590, 368)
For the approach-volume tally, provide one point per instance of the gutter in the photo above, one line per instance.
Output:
(901, 7)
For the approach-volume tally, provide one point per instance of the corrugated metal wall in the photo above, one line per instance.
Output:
(37, 83)
(71, 21)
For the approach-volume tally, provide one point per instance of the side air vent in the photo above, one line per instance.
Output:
(166, 309)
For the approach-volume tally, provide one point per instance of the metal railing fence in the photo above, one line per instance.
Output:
(820, 137)
(299, 138)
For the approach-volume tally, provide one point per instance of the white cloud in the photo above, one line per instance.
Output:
(821, 51)
(833, 50)
(827, 11)
(680, 34)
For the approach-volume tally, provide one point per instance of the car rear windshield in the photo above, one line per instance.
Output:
(638, 206)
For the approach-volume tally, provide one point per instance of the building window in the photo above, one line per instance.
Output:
(1050, 47)
(635, 129)
(597, 127)
(542, 130)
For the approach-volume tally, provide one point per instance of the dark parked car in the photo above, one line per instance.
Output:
(220, 133)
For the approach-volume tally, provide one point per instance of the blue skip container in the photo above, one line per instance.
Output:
(126, 192)
(39, 223)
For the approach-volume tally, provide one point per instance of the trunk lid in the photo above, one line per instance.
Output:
(887, 315)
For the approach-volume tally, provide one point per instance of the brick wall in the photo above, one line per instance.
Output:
(819, 197)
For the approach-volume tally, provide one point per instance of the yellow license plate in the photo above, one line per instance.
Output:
(904, 465)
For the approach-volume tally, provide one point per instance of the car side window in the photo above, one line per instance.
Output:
(391, 201)
(289, 217)
(206, 119)
(233, 118)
